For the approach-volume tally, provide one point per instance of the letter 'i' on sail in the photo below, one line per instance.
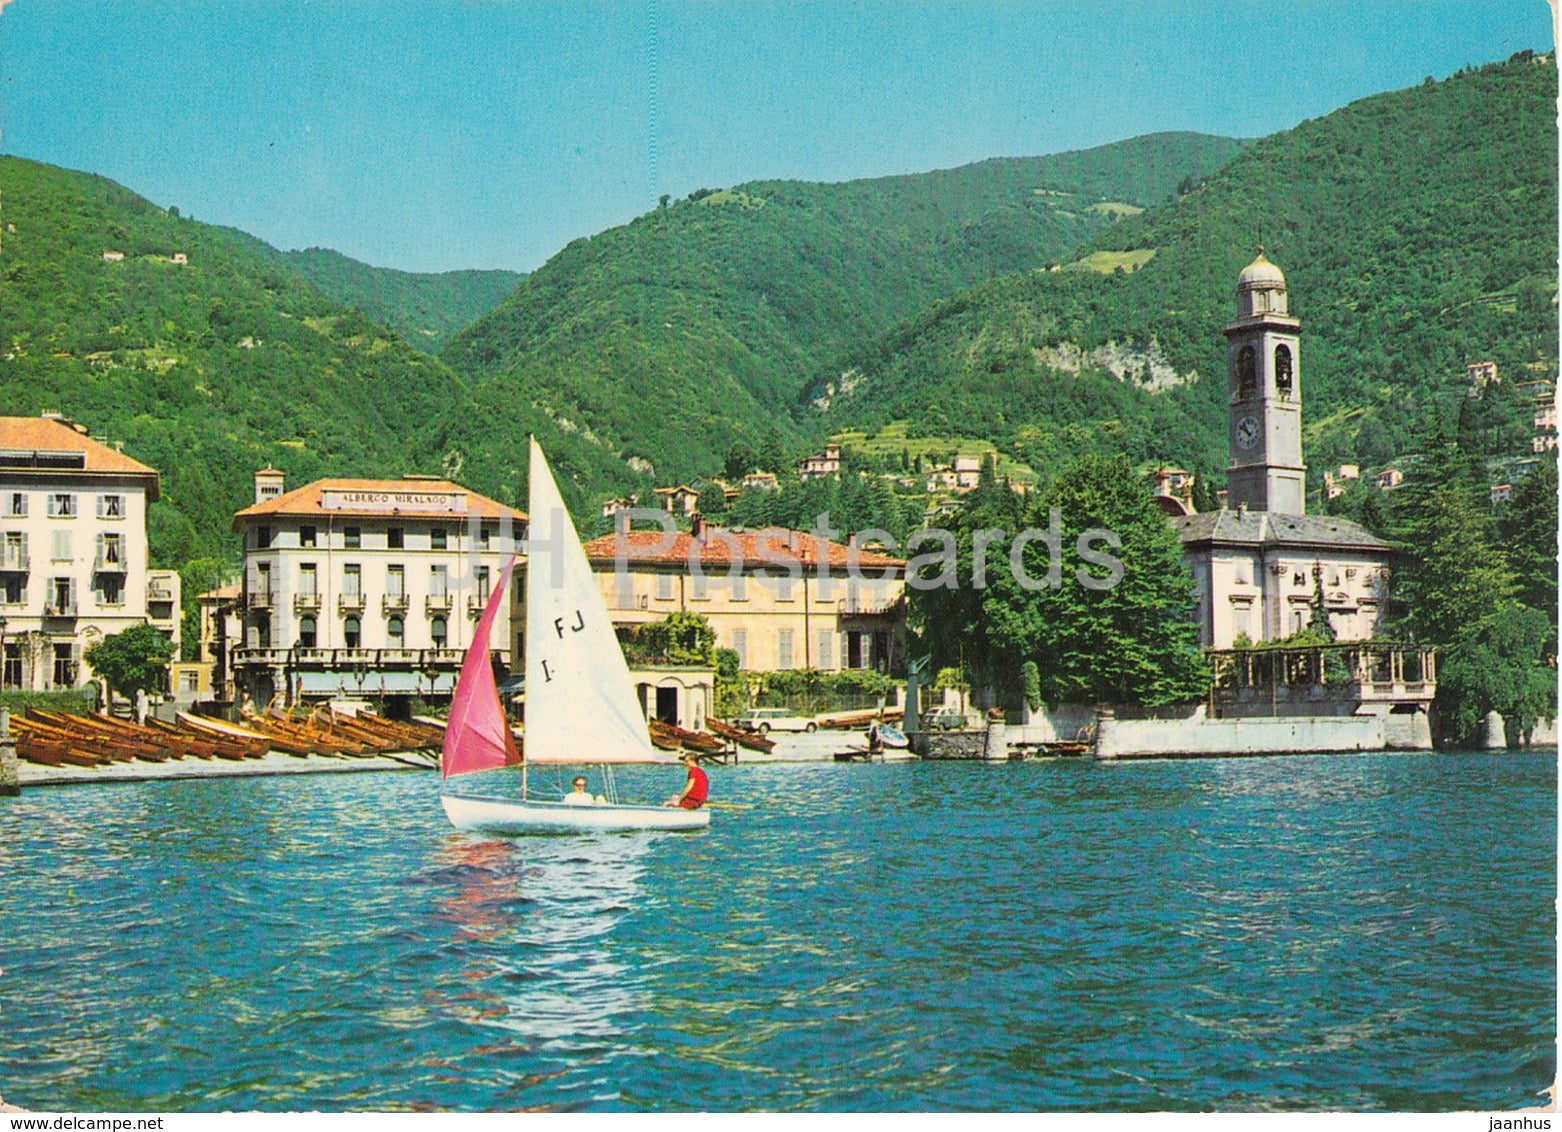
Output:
(477, 735)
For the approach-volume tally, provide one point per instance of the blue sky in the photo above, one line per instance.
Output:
(436, 134)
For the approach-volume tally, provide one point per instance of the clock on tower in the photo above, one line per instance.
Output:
(1265, 417)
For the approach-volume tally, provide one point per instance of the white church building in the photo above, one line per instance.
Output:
(1258, 561)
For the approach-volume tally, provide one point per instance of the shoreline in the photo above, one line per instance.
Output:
(273, 763)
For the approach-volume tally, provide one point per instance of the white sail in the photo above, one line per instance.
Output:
(580, 704)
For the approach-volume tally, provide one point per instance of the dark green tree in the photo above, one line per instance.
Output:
(951, 618)
(1320, 625)
(1030, 685)
(1093, 636)
(1528, 532)
(1457, 575)
(713, 500)
(1203, 497)
(197, 576)
(740, 461)
(133, 661)
(1504, 662)
(1130, 642)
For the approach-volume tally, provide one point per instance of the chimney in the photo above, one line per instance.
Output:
(268, 484)
(696, 524)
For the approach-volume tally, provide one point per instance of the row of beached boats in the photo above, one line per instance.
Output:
(57, 739)
(720, 737)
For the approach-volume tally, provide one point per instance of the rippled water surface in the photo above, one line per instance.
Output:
(1354, 932)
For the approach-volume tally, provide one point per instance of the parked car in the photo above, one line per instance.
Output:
(765, 719)
(944, 719)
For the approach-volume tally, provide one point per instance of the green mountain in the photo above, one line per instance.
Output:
(427, 309)
(669, 338)
(1417, 230)
(207, 358)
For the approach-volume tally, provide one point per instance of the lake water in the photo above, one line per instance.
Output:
(1346, 932)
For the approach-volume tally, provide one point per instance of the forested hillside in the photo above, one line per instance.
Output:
(1417, 230)
(200, 351)
(695, 325)
(427, 309)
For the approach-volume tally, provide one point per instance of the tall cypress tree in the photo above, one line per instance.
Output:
(1528, 531)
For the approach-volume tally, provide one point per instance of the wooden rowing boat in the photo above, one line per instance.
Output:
(253, 743)
(696, 741)
(753, 740)
(846, 719)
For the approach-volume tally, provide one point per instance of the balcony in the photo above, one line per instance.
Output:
(1276, 680)
(259, 657)
(350, 660)
(159, 590)
(108, 564)
(868, 605)
(60, 609)
(393, 603)
(306, 602)
(437, 603)
(259, 599)
(351, 603)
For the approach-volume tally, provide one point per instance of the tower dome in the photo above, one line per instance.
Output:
(1261, 289)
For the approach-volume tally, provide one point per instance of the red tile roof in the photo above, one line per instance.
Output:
(715, 550)
(51, 434)
(306, 500)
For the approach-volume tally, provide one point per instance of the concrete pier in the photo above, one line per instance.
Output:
(10, 783)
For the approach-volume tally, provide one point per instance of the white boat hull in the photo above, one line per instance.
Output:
(514, 819)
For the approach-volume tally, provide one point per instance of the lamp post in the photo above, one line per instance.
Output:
(3, 664)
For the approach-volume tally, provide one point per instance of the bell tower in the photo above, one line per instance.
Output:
(1265, 414)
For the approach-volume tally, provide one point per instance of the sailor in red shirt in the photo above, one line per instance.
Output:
(696, 789)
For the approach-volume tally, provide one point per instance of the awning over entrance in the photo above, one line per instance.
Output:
(352, 685)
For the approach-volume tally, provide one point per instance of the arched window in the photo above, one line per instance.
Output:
(306, 632)
(1283, 381)
(1247, 375)
(352, 632)
(437, 631)
(396, 632)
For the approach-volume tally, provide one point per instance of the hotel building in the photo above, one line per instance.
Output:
(369, 588)
(74, 560)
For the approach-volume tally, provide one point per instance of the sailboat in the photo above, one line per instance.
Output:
(580, 704)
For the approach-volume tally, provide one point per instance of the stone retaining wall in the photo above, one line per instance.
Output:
(1151, 738)
(949, 744)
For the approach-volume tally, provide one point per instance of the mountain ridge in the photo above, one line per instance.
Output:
(1417, 232)
(709, 313)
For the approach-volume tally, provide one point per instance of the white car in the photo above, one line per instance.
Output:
(944, 719)
(775, 719)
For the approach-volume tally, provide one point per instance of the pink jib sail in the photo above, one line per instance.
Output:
(477, 735)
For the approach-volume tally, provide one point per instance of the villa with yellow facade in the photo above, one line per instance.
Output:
(784, 605)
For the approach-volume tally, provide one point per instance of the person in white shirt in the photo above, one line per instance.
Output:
(579, 796)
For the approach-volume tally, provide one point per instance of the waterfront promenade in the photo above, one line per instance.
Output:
(273, 763)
